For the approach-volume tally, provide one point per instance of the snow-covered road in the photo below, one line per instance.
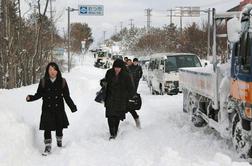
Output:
(167, 138)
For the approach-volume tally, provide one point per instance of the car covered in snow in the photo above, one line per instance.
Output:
(163, 76)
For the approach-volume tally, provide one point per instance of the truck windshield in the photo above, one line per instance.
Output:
(173, 63)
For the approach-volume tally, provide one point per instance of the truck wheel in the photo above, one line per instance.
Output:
(241, 138)
(192, 107)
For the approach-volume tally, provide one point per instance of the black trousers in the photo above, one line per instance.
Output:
(134, 114)
(113, 123)
(48, 135)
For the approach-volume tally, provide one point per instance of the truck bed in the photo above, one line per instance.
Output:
(199, 80)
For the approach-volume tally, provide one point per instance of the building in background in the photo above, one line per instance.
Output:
(240, 6)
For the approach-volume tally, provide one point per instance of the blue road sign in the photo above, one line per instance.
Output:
(91, 10)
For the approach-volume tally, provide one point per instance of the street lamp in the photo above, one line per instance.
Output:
(69, 9)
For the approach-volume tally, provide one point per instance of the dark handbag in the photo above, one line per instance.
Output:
(101, 95)
(135, 102)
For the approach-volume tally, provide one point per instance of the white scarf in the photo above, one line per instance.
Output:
(52, 79)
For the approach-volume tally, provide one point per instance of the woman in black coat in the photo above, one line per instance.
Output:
(53, 88)
(119, 90)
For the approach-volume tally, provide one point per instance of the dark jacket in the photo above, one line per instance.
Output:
(136, 72)
(53, 112)
(119, 90)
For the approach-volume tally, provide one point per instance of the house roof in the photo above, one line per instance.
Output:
(236, 8)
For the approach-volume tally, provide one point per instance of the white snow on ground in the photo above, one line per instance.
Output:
(167, 138)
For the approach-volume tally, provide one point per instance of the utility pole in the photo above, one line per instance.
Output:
(121, 25)
(209, 33)
(131, 23)
(104, 36)
(52, 30)
(181, 24)
(171, 17)
(68, 41)
(115, 29)
(148, 11)
(69, 9)
(181, 19)
(214, 51)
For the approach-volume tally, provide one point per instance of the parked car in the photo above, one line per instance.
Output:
(163, 75)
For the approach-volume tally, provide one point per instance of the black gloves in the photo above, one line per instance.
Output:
(74, 109)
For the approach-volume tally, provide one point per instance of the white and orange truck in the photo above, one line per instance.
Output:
(220, 95)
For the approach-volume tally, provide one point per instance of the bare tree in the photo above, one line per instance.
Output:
(23, 44)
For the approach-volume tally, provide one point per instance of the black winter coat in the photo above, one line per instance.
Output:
(137, 72)
(119, 90)
(53, 115)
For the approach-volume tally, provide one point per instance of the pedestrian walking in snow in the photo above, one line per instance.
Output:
(53, 88)
(125, 60)
(135, 71)
(119, 90)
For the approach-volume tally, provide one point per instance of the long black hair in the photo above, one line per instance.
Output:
(56, 67)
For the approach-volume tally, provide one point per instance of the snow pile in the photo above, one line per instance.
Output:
(16, 140)
(167, 137)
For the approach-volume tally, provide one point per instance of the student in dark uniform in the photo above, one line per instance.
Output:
(119, 90)
(53, 89)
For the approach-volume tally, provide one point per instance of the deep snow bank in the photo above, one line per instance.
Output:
(167, 138)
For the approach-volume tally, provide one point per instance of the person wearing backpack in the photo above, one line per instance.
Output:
(136, 71)
(53, 89)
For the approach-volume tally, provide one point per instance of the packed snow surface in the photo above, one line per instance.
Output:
(167, 137)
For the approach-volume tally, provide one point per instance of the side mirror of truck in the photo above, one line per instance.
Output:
(234, 30)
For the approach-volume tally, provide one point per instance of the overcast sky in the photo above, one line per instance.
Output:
(116, 11)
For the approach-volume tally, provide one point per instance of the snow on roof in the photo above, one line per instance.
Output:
(170, 54)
